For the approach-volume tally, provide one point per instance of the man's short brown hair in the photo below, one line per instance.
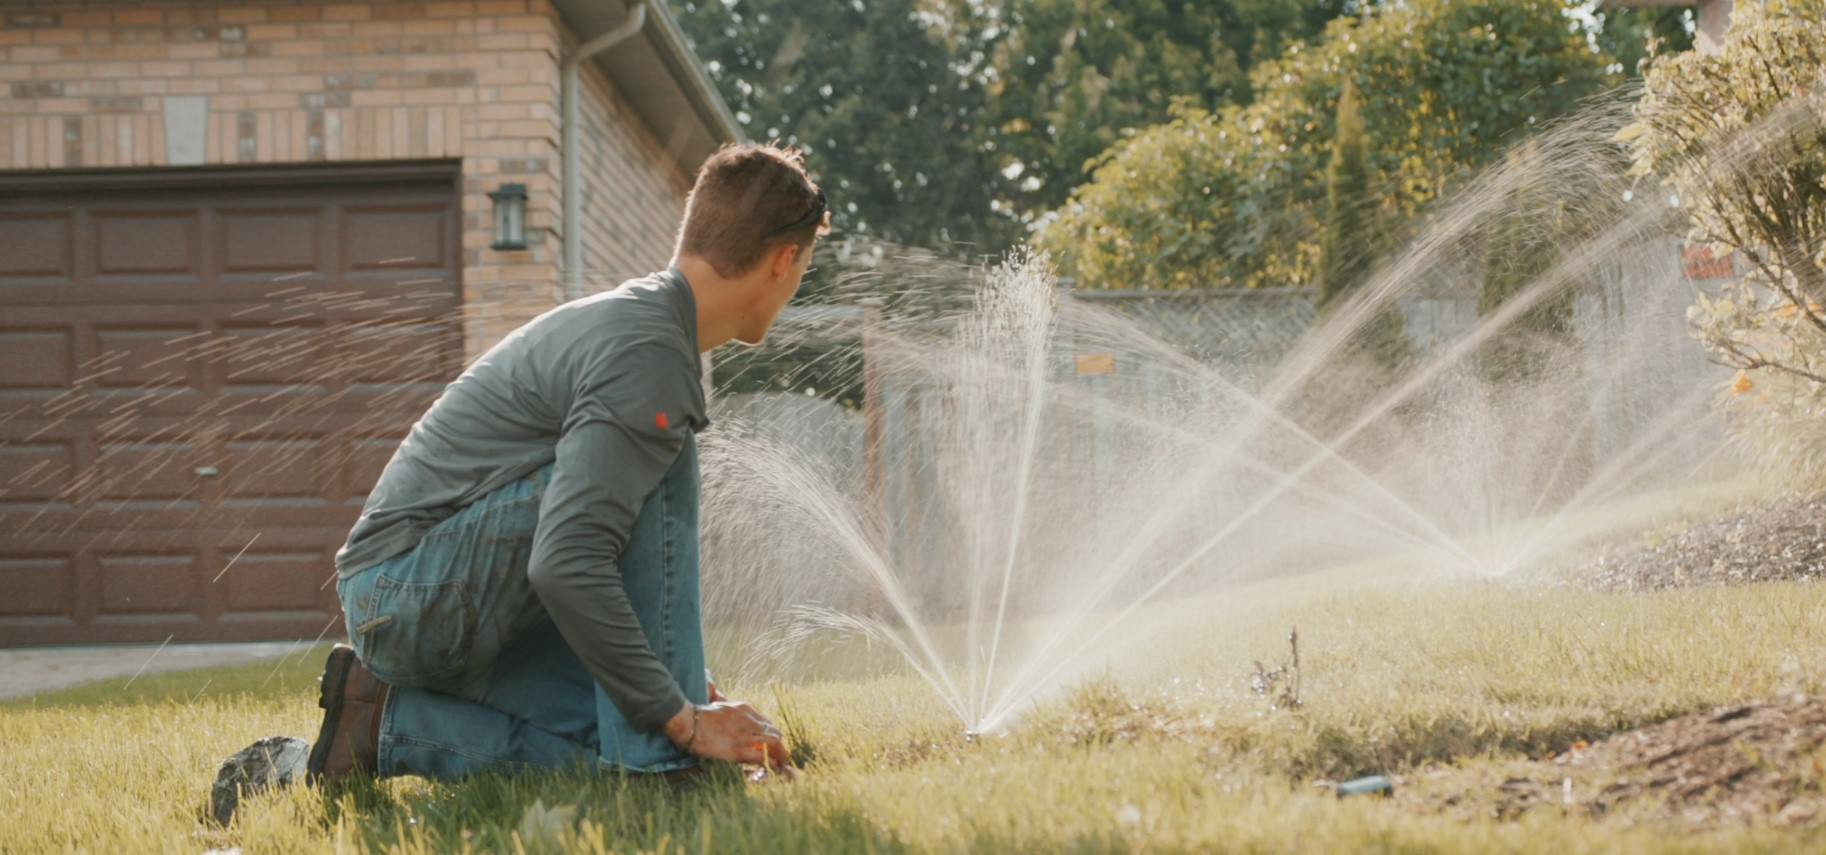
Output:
(747, 200)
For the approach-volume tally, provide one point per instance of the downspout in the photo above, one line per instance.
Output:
(571, 275)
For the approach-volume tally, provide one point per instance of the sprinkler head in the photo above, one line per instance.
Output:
(970, 736)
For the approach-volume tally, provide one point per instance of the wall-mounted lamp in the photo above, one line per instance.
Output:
(510, 217)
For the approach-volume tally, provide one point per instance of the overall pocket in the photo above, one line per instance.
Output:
(416, 633)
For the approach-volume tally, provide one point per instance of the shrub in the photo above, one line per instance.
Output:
(1739, 137)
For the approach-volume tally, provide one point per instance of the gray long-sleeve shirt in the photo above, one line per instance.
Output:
(607, 387)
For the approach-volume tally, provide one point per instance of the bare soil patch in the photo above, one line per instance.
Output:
(1784, 540)
(1760, 763)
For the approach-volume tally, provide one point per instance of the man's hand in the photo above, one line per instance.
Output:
(728, 730)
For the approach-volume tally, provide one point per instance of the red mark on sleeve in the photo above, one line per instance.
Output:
(660, 421)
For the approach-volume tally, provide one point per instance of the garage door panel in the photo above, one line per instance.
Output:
(367, 410)
(37, 586)
(144, 473)
(148, 583)
(151, 358)
(93, 416)
(36, 359)
(275, 516)
(37, 248)
(261, 626)
(350, 414)
(267, 359)
(166, 395)
(191, 417)
(367, 456)
(33, 474)
(165, 524)
(27, 528)
(167, 299)
(271, 596)
(277, 582)
(392, 238)
(277, 573)
(270, 241)
(278, 468)
(405, 353)
(142, 242)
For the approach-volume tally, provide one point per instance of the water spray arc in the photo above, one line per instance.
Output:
(1043, 518)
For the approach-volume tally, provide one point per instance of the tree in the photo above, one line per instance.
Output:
(1739, 138)
(948, 124)
(1346, 252)
(1069, 78)
(1349, 246)
(1628, 33)
(1446, 86)
(1520, 254)
(880, 97)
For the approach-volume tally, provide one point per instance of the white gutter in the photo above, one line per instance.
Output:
(571, 274)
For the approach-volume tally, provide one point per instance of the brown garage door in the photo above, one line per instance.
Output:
(201, 375)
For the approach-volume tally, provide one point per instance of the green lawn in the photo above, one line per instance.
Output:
(1443, 685)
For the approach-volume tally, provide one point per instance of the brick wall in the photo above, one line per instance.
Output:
(108, 85)
(628, 208)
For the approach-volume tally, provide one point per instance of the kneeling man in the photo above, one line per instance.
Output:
(521, 590)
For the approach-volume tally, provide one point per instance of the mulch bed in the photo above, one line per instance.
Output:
(1763, 762)
(1781, 541)
(1758, 763)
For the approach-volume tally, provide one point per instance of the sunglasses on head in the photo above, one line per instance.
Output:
(816, 214)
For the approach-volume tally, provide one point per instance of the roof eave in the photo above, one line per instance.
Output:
(709, 102)
(660, 77)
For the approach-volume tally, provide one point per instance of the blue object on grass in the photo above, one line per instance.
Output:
(1374, 785)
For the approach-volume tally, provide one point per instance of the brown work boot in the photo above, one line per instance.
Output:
(352, 699)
